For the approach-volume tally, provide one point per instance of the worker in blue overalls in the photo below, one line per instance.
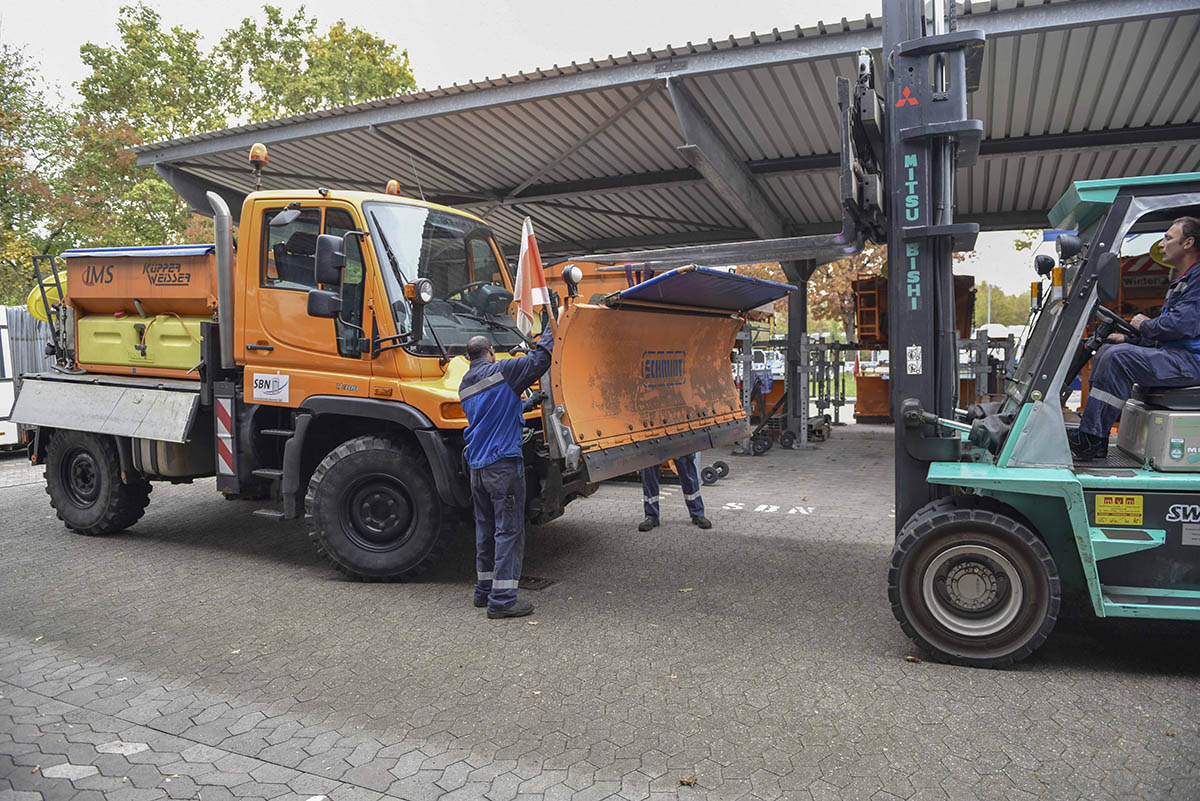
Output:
(490, 394)
(689, 482)
(1165, 352)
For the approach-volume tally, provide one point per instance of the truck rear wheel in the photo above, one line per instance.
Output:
(971, 585)
(375, 511)
(83, 480)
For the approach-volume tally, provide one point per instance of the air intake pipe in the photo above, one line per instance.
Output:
(223, 229)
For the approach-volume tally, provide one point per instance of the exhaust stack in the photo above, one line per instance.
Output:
(223, 228)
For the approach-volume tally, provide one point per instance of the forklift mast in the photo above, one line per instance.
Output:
(929, 68)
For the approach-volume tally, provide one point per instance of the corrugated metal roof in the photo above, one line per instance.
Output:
(1071, 89)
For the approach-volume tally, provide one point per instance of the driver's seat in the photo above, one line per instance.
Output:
(1175, 399)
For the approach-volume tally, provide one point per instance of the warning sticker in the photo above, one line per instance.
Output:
(1119, 510)
(913, 357)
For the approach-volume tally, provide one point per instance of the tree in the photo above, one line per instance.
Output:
(286, 68)
(34, 213)
(831, 289)
(68, 176)
(1006, 309)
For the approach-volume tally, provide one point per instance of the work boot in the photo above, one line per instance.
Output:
(648, 523)
(1088, 447)
(701, 521)
(518, 609)
(480, 601)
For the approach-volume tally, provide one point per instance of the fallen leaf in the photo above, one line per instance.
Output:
(1170, 734)
(674, 676)
(531, 623)
(912, 659)
(686, 589)
(687, 781)
(236, 651)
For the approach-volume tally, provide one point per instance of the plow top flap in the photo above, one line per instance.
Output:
(703, 287)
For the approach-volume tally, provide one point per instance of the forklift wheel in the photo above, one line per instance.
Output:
(787, 439)
(972, 585)
(760, 445)
(709, 476)
(722, 468)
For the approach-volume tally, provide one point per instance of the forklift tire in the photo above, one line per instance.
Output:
(972, 585)
(83, 480)
(375, 511)
(709, 476)
(722, 468)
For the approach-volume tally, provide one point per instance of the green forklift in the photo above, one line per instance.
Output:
(977, 576)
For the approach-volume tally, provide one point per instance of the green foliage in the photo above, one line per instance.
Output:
(1027, 240)
(1006, 309)
(286, 68)
(159, 82)
(67, 175)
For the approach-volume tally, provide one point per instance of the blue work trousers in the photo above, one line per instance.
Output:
(499, 493)
(689, 482)
(1118, 367)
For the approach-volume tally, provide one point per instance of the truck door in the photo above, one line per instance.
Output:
(289, 355)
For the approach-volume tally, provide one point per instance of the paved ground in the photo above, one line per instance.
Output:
(206, 654)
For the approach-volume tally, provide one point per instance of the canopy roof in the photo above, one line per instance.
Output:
(737, 138)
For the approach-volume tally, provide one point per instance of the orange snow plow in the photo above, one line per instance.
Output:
(645, 375)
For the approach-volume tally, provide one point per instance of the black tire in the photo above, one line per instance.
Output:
(787, 439)
(709, 476)
(83, 480)
(375, 511)
(722, 468)
(760, 445)
(972, 585)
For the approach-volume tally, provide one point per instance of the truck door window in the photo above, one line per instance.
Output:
(349, 325)
(288, 253)
(483, 262)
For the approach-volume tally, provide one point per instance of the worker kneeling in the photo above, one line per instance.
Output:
(1165, 352)
(490, 394)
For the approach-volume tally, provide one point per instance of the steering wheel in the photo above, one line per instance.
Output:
(1110, 322)
(1113, 321)
(462, 296)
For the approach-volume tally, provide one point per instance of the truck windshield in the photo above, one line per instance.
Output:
(457, 254)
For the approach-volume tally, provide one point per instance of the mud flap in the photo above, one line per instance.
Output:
(646, 376)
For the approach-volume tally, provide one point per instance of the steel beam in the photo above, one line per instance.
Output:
(194, 189)
(724, 170)
(565, 154)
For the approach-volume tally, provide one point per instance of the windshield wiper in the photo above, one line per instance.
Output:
(495, 325)
(445, 357)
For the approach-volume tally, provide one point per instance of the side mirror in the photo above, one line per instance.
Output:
(1108, 276)
(331, 259)
(1043, 264)
(324, 303)
(1068, 246)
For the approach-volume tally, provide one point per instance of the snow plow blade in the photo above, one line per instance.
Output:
(645, 375)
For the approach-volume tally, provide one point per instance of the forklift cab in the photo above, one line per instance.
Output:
(978, 575)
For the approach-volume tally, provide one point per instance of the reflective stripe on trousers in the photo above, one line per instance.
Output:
(689, 482)
(498, 490)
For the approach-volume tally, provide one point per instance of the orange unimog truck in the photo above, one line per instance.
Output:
(320, 364)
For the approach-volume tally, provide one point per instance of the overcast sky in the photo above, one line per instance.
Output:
(455, 42)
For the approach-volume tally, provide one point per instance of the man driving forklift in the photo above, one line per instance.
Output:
(1164, 353)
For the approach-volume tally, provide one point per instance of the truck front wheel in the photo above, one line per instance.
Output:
(375, 511)
(972, 585)
(83, 480)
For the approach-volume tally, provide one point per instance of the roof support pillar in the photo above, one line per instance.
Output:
(716, 161)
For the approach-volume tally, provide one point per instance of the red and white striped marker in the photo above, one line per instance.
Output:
(225, 436)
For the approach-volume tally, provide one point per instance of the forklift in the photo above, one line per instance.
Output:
(995, 523)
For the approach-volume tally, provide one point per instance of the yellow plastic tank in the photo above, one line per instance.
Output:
(161, 342)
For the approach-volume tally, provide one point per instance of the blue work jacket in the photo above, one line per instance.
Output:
(1178, 325)
(490, 394)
